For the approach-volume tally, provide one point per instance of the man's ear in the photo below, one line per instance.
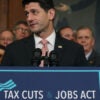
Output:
(51, 14)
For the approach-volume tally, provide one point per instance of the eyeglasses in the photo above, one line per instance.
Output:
(6, 39)
(23, 30)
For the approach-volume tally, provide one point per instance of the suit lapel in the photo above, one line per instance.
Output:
(59, 46)
(92, 58)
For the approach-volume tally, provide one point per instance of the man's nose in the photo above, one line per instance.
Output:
(30, 17)
(83, 40)
(5, 42)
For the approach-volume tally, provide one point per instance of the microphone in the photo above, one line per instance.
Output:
(36, 60)
(46, 61)
(53, 59)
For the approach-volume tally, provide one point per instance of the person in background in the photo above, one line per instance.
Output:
(40, 16)
(6, 37)
(67, 33)
(21, 30)
(85, 36)
(62, 6)
(2, 51)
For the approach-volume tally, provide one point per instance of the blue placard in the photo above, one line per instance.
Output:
(21, 83)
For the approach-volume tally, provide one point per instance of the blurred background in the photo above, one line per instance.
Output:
(79, 12)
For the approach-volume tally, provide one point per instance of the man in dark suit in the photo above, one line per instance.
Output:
(85, 37)
(40, 15)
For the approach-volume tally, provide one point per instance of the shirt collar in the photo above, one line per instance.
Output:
(37, 39)
(50, 38)
(88, 55)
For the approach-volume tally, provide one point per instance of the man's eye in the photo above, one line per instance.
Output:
(26, 13)
(87, 37)
(34, 12)
(79, 37)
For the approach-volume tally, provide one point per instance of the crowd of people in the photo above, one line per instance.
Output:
(73, 47)
(19, 31)
(85, 36)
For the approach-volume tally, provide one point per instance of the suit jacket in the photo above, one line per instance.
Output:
(20, 53)
(94, 59)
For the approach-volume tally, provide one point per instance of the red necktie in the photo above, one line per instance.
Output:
(44, 50)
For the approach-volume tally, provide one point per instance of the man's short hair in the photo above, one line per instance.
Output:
(8, 30)
(86, 27)
(64, 27)
(20, 22)
(45, 4)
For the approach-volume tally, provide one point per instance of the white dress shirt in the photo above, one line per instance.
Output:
(88, 55)
(50, 39)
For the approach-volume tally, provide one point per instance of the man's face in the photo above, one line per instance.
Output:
(67, 33)
(6, 38)
(84, 37)
(38, 19)
(22, 31)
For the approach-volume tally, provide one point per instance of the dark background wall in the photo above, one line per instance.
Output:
(10, 12)
(82, 12)
(3, 13)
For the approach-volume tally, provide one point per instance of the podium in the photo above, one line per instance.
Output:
(53, 83)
